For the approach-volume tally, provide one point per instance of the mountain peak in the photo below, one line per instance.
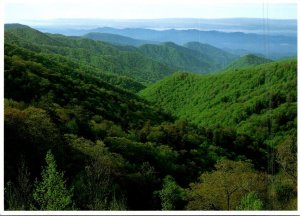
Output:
(15, 26)
(247, 61)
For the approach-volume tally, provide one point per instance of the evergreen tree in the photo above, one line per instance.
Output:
(171, 194)
(51, 193)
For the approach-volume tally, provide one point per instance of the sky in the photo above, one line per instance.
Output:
(26, 10)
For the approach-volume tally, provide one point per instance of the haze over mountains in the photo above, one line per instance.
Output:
(269, 37)
(247, 25)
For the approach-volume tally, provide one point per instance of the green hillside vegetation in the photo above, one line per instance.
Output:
(247, 61)
(258, 101)
(193, 57)
(218, 57)
(116, 39)
(78, 138)
(103, 56)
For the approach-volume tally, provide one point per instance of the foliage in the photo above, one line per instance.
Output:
(105, 57)
(192, 57)
(171, 194)
(250, 202)
(259, 102)
(119, 151)
(51, 192)
(247, 61)
(224, 187)
(287, 157)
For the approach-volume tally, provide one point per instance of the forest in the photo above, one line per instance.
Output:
(91, 125)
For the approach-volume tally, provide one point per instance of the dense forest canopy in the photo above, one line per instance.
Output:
(87, 127)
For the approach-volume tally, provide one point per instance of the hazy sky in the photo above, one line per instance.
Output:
(22, 10)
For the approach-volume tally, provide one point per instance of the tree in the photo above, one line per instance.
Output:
(250, 201)
(171, 194)
(287, 157)
(51, 193)
(224, 188)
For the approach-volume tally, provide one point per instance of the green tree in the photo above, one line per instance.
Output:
(224, 188)
(51, 193)
(250, 201)
(171, 194)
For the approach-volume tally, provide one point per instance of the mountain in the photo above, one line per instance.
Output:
(217, 57)
(101, 136)
(248, 99)
(105, 57)
(47, 72)
(79, 27)
(116, 39)
(70, 118)
(25, 33)
(145, 64)
(194, 57)
(273, 46)
(248, 61)
(174, 55)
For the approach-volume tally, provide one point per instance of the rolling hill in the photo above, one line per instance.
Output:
(145, 64)
(247, 61)
(193, 57)
(217, 57)
(259, 101)
(103, 56)
(77, 137)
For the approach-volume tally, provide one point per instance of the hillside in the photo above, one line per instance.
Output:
(78, 137)
(145, 64)
(101, 137)
(194, 57)
(105, 57)
(247, 61)
(217, 57)
(116, 39)
(248, 100)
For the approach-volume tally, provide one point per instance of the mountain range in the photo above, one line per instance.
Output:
(273, 39)
(118, 125)
(287, 27)
(146, 63)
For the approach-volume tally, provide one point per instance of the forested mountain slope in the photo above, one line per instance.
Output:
(195, 57)
(248, 61)
(78, 138)
(259, 101)
(103, 56)
(217, 57)
(114, 148)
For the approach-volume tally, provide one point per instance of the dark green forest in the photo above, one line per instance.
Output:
(90, 125)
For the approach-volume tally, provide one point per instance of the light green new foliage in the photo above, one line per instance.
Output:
(51, 193)
(251, 202)
(171, 194)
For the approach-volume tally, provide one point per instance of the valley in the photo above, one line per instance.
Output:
(141, 119)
